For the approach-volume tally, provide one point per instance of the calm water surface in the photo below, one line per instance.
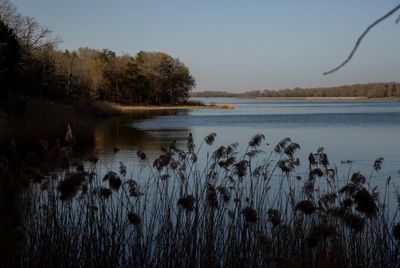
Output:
(356, 130)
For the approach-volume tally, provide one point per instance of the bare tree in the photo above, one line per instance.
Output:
(8, 12)
(29, 32)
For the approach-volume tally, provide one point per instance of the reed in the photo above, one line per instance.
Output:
(232, 211)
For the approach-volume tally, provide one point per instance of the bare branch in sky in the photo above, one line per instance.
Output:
(387, 15)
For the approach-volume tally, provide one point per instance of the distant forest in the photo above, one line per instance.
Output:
(32, 65)
(371, 90)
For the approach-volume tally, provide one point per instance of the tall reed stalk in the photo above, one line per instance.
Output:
(224, 211)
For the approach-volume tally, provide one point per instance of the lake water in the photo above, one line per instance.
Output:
(360, 130)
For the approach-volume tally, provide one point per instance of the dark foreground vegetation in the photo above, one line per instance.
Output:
(31, 64)
(371, 90)
(62, 206)
(227, 210)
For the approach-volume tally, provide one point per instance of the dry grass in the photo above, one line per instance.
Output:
(252, 210)
(45, 120)
(118, 108)
(102, 108)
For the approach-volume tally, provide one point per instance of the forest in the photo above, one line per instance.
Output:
(370, 90)
(32, 65)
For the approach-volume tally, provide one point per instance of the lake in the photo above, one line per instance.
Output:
(357, 130)
(185, 204)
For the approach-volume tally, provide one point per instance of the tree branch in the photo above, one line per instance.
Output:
(387, 15)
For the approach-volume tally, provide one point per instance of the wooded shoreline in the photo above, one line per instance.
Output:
(380, 90)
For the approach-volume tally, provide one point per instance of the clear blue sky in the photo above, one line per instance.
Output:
(237, 45)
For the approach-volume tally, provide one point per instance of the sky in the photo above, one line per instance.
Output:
(237, 45)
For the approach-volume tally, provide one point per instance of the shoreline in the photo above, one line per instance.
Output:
(131, 108)
(307, 98)
(317, 98)
(174, 107)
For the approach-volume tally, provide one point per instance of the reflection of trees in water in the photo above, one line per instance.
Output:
(120, 132)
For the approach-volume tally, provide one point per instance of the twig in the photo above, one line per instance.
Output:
(362, 37)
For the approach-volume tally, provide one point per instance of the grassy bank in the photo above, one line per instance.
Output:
(120, 108)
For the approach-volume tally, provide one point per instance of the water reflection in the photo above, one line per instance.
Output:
(360, 131)
(119, 132)
(357, 131)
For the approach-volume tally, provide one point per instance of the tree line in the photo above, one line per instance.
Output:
(370, 90)
(31, 64)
